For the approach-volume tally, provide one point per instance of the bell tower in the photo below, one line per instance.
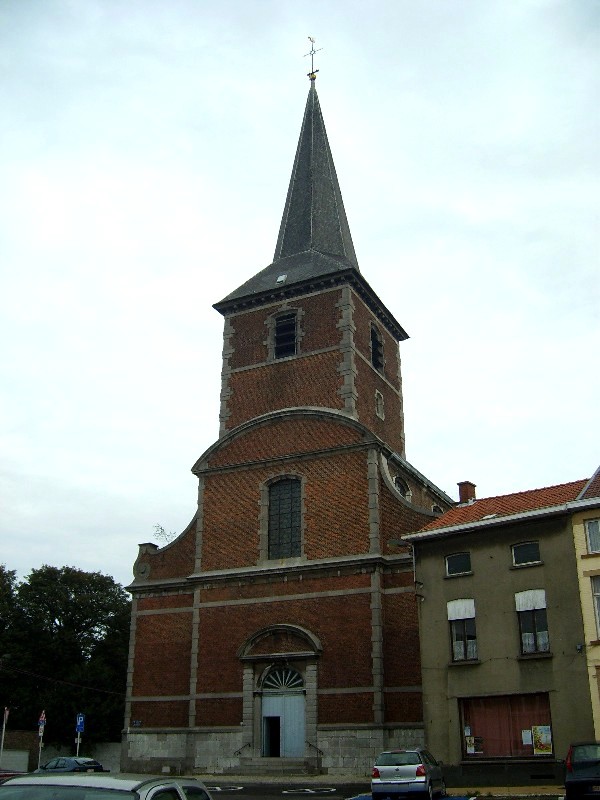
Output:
(308, 330)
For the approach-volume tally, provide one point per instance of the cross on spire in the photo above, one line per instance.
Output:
(313, 72)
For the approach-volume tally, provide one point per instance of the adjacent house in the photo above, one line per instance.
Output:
(503, 645)
(586, 533)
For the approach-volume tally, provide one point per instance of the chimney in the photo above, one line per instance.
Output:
(466, 492)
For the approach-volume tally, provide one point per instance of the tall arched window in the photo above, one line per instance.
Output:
(285, 516)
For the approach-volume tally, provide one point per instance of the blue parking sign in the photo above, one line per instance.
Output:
(80, 723)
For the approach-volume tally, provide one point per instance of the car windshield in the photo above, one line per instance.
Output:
(397, 759)
(586, 752)
(31, 792)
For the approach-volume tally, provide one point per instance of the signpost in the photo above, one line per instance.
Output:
(41, 726)
(4, 721)
(79, 728)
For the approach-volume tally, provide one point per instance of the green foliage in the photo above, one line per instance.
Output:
(64, 644)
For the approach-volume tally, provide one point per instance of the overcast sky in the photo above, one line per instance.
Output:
(145, 152)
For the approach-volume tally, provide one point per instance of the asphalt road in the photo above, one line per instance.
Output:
(294, 790)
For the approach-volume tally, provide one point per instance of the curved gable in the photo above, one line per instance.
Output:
(286, 433)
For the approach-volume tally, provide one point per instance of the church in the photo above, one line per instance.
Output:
(280, 630)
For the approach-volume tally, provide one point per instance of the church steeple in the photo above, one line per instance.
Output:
(314, 239)
(314, 218)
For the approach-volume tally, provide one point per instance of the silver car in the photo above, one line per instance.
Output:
(98, 786)
(398, 773)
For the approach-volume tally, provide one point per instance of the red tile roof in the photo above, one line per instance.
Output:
(593, 488)
(507, 504)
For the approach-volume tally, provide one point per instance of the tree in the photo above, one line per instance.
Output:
(67, 653)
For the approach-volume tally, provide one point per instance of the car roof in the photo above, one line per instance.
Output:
(104, 781)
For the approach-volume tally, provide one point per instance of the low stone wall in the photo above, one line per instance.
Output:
(338, 750)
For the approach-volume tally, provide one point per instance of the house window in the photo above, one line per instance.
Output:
(376, 348)
(596, 596)
(285, 518)
(286, 335)
(533, 623)
(461, 616)
(592, 534)
(458, 564)
(526, 553)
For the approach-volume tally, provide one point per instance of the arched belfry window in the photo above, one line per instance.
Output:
(285, 336)
(376, 348)
(283, 679)
(285, 518)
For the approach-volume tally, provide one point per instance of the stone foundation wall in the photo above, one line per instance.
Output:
(341, 751)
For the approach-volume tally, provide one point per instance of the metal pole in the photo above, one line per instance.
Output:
(78, 741)
(3, 732)
(41, 745)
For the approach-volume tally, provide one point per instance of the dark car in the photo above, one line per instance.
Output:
(582, 770)
(71, 764)
(100, 787)
(398, 773)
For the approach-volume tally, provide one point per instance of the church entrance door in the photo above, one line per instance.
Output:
(283, 714)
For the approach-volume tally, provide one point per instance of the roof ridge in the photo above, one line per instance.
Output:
(583, 481)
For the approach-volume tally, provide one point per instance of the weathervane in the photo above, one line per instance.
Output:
(313, 72)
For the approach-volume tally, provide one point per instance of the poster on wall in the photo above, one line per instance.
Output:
(542, 740)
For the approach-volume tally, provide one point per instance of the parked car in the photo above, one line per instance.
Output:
(398, 773)
(74, 764)
(89, 786)
(582, 770)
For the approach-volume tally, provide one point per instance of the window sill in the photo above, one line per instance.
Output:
(466, 663)
(594, 643)
(459, 574)
(533, 656)
(529, 564)
(592, 554)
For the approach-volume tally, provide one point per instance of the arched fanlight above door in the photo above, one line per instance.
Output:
(282, 679)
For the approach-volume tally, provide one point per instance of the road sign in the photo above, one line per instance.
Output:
(80, 725)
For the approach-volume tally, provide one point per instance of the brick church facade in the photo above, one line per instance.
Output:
(282, 624)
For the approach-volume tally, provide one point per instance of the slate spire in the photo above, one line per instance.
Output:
(314, 217)
(314, 241)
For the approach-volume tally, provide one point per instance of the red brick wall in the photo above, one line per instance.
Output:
(404, 707)
(280, 437)
(309, 380)
(162, 654)
(346, 708)
(401, 640)
(335, 506)
(221, 711)
(318, 323)
(397, 518)
(168, 713)
(219, 667)
(369, 380)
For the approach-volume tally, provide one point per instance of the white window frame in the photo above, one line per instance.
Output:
(525, 563)
(595, 588)
(462, 610)
(592, 529)
(454, 574)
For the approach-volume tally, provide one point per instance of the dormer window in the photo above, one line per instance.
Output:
(281, 279)
(376, 348)
(286, 335)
